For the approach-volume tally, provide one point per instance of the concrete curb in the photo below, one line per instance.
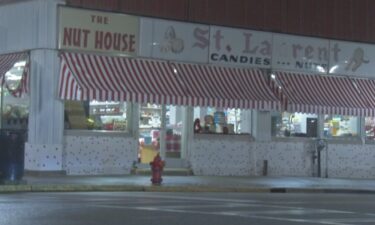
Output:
(161, 188)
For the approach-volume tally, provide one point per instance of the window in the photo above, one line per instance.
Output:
(94, 115)
(14, 109)
(173, 137)
(341, 126)
(370, 128)
(219, 121)
(294, 124)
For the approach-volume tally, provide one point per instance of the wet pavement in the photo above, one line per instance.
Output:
(189, 184)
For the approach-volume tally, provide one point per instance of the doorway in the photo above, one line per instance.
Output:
(161, 132)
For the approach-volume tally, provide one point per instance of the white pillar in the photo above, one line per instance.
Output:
(44, 148)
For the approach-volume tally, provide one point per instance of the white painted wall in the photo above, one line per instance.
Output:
(98, 154)
(222, 156)
(28, 25)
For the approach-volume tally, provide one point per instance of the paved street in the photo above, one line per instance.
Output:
(185, 208)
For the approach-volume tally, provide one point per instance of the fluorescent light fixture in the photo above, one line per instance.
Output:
(333, 68)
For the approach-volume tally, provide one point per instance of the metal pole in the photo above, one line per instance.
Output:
(319, 164)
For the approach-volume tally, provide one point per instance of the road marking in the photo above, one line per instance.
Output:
(227, 213)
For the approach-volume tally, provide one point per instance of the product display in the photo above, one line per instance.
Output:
(341, 126)
(370, 127)
(219, 121)
(95, 115)
(294, 125)
(15, 111)
(149, 132)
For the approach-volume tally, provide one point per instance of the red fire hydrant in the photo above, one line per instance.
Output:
(157, 166)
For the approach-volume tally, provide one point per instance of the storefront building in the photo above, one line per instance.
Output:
(104, 92)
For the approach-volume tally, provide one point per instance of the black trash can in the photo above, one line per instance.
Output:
(12, 151)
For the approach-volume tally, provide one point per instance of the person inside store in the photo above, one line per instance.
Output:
(197, 126)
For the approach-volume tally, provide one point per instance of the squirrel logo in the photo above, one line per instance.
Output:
(356, 60)
(171, 42)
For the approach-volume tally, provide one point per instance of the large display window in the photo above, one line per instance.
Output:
(151, 138)
(149, 132)
(341, 126)
(370, 128)
(14, 107)
(94, 115)
(294, 124)
(174, 130)
(211, 120)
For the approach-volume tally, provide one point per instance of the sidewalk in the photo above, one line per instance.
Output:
(191, 184)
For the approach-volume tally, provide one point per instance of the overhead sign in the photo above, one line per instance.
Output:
(350, 58)
(300, 53)
(240, 47)
(174, 40)
(89, 30)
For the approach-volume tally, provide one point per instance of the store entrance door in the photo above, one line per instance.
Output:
(160, 132)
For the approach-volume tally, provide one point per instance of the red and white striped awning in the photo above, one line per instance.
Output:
(226, 87)
(367, 90)
(320, 94)
(108, 78)
(7, 61)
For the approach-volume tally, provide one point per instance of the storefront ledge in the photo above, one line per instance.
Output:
(83, 188)
(232, 137)
(38, 173)
(355, 141)
(370, 142)
(293, 139)
(96, 133)
(161, 188)
(309, 139)
(8, 188)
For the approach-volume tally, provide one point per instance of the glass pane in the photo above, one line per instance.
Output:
(149, 132)
(370, 127)
(95, 115)
(294, 124)
(219, 121)
(173, 131)
(15, 112)
(341, 126)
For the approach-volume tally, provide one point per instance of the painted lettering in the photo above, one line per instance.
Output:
(201, 36)
(336, 51)
(241, 59)
(75, 37)
(99, 40)
(99, 19)
(296, 49)
(323, 53)
(266, 50)
(310, 65)
(114, 41)
(131, 43)
(218, 37)
(309, 52)
(247, 44)
(108, 41)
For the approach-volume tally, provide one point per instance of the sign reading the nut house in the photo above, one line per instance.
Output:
(89, 30)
